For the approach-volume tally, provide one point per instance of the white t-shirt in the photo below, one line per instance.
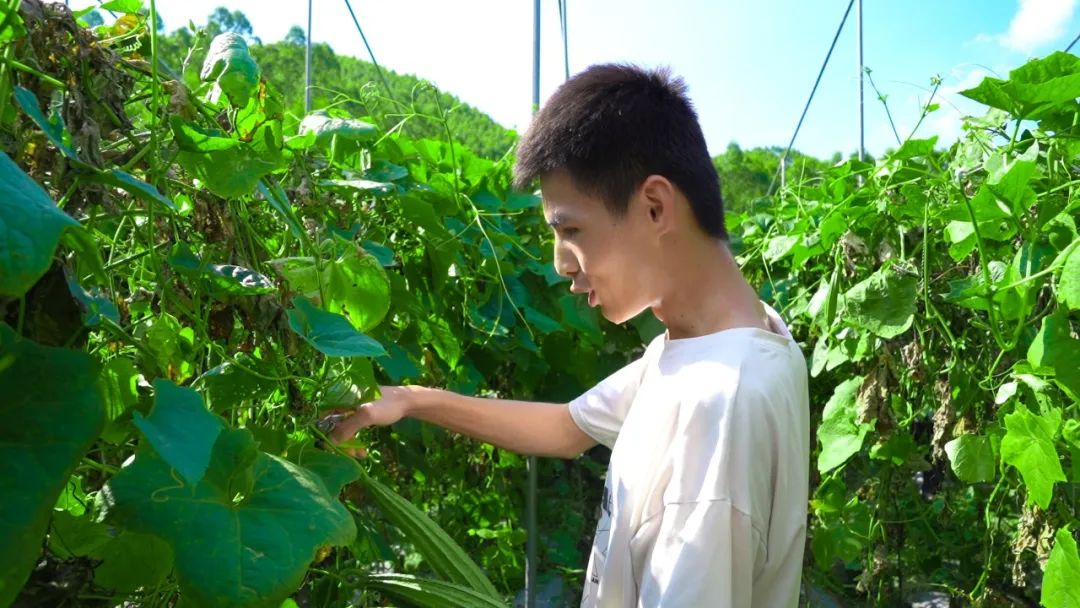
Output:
(706, 492)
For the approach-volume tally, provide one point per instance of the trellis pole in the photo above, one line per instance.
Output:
(307, 63)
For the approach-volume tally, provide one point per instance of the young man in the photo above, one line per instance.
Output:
(706, 493)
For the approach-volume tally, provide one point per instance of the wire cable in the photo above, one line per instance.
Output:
(1075, 40)
(371, 54)
(821, 72)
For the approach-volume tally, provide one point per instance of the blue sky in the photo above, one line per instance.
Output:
(749, 65)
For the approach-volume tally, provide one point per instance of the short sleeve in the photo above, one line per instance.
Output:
(704, 554)
(600, 412)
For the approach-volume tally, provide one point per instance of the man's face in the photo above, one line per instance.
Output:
(606, 257)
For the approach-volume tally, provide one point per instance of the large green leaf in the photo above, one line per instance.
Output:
(52, 412)
(326, 127)
(1055, 352)
(1032, 88)
(445, 557)
(230, 65)
(1068, 288)
(972, 458)
(30, 229)
(355, 284)
(243, 536)
(132, 561)
(330, 333)
(883, 303)
(1028, 445)
(1061, 578)
(428, 593)
(229, 167)
(181, 429)
(840, 434)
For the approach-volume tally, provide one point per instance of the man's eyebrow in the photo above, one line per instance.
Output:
(557, 219)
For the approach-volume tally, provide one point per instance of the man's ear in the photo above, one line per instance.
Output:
(658, 198)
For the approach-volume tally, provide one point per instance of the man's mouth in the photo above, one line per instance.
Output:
(593, 300)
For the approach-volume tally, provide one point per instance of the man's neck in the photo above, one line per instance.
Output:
(707, 293)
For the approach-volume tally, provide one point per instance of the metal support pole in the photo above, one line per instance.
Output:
(531, 463)
(565, 36)
(307, 63)
(862, 76)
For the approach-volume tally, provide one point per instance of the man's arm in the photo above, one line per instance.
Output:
(525, 427)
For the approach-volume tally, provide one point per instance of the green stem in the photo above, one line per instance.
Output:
(22, 67)
(984, 264)
(884, 103)
(988, 541)
(97, 466)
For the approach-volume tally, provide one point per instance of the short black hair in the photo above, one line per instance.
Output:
(612, 126)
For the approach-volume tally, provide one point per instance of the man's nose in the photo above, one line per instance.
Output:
(565, 262)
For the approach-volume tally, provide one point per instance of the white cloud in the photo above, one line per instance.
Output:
(1037, 23)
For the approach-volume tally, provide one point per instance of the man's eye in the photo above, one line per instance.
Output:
(569, 232)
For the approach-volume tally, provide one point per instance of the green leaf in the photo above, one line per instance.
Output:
(1013, 187)
(1061, 578)
(132, 561)
(95, 306)
(1028, 445)
(76, 535)
(355, 284)
(883, 303)
(384, 254)
(839, 433)
(365, 186)
(130, 183)
(916, 147)
(577, 314)
(1055, 352)
(972, 458)
(428, 593)
(445, 557)
(780, 246)
(181, 429)
(1033, 88)
(130, 7)
(245, 535)
(222, 279)
(53, 129)
(230, 65)
(330, 333)
(540, 321)
(279, 201)
(52, 413)
(13, 23)
(326, 127)
(30, 229)
(73, 499)
(1068, 287)
(229, 170)
(171, 345)
(335, 471)
(227, 385)
(437, 332)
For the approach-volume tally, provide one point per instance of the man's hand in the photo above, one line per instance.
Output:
(525, 427)
(394, 405)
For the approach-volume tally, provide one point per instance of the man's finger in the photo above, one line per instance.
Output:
(347, 428)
